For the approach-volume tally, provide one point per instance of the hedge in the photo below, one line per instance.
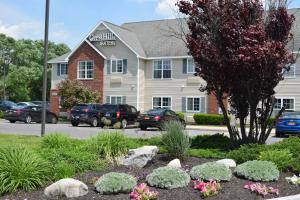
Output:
(209, 119)
(180, 115)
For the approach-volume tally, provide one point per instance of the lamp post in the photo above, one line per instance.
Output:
(45, 67)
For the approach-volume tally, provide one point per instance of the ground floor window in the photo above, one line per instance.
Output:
(162, 102)
(115, 100)
(195, 104)
(287, 102)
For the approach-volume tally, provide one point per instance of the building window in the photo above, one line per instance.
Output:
(190, 66)
(115, 99)
(291, 73)
(287, 102)
(162, 69)
(62, 69)
(85, 70)
(117, 66)
(161, 102)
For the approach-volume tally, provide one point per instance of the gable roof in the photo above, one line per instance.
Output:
(60, 59)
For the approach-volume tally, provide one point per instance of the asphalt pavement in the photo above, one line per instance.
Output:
(85, 131)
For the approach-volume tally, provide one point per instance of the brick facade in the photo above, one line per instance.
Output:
(84, 52)
(212, 104)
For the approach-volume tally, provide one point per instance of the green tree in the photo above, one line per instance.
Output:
(73, 92)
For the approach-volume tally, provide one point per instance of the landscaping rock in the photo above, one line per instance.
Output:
(66, 187)
(174, 163)
(227, 162)
(139, 157)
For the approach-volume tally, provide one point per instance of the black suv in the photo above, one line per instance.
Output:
(86, 113)
(123, 113)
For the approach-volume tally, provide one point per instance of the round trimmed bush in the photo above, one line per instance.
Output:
(256, 170)
(168, 177)
(211, 171)
(21, 168)
(113, 183)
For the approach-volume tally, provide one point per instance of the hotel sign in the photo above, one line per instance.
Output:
(104, 39)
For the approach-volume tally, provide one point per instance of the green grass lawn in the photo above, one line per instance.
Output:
(32, 141)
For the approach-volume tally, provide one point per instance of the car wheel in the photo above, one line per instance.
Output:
(74, 123)
(12, 121)
(124, 123)
(28, 119)
(94, 122)
(53, 120)
(144, 128)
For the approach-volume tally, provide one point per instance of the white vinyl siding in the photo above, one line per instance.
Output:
(117, 66)
(85, 70)
(162, 69)
(162, 102)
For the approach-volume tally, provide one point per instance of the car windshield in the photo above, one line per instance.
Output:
(154, 112)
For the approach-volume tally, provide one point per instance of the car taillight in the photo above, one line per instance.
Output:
(118, 115)
(157, 118)
(18, 112)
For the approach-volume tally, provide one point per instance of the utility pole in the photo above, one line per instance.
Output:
(45, 67)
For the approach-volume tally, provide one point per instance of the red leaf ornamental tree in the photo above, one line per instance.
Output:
(240, 51)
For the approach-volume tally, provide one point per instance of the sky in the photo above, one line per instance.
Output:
(71, 20)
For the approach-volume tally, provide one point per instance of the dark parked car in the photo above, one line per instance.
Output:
(86, 113)
(40, 103)
(157, 117)
(6, 105)
(288, 123)
(29, 114)
(123, 113)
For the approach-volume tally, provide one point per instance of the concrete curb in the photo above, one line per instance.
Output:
(293, 197)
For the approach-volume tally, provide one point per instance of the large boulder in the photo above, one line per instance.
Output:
(66, 187)
(227, 162)
(174, 163)
(139, 157)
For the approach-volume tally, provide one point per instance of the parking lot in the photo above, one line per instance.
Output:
(85, 131)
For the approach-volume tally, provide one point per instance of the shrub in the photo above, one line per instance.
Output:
(106, 122)
(283, 159)
(246, 152)
(56, 140)
(63, 170)
(113, 183)
(291, 143)
(109, 144)
(211, 171)
(207, 153)
(176, 140)
(208, 119)
(296, 164)
(258, 171)
(22, 169)
(216, 141)
(168, 177)
(117, 125)
(180, 115)
(1, 114)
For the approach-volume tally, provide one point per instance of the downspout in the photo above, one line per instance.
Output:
(138, 84)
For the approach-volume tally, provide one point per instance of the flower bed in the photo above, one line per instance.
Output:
(233, 189)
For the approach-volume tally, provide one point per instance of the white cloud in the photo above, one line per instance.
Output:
(167, 8)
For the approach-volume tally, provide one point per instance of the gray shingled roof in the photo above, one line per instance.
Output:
(128, 37)
(160, 38)
(59, 59)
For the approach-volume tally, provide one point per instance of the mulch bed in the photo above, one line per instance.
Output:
(232, 190)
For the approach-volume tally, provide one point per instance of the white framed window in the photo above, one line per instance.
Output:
(162, 69)
(62, 69)
(191, 66)
(291, 73)
(116, 100)
(85, 70)
(162, 102)
(287, 102)
(195, 104)
(116, 66)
